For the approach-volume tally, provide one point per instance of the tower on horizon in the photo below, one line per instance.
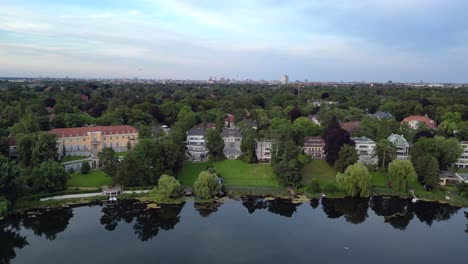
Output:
(285, 79)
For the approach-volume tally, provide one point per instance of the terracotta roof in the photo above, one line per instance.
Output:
(230, 118)
(82, 131)
(351, 126)
(313, 142)
(429, 122)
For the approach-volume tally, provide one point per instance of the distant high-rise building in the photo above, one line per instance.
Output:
(285, 79)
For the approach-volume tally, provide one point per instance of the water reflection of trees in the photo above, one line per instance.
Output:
(281, 207)
(396, 212)
(49, 223)
(10, 240)
(354, 210)
(206, 209)
(148, 221)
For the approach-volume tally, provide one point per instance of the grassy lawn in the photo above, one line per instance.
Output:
(379, 179)
(319, 170)
(239, 173)
(233, 172)
(72, 158)
(92, 179)
(121, 154)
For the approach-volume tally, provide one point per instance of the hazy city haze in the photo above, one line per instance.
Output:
(371, 40)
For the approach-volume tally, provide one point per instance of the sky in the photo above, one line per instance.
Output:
(317, 40)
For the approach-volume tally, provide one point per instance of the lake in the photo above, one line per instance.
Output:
(248, 230)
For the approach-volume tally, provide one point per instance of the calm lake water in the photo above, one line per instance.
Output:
(249, 230)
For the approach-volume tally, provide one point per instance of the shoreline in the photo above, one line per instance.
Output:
(51, 204)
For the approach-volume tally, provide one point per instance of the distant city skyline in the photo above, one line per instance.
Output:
(327, 41)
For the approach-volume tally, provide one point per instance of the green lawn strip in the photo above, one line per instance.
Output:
(72, 158)
(95, 178)
(320, 171)
(189, 172)
(121, 154)
(239, 173)
(233, 172)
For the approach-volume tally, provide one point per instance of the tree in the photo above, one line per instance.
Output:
(168, 187)
(215, 145)
(85, 168)
(347, 156)
(8, 174)
(400, 172)
(206, 185)
(109, 161)
(421, 165)
(50, 176)
(431, 178)
(44, 148)
(306, 127)
(449, 151)
(335, 137)
(33, 149)
(248, 146)
(386, 152)
(150, 159)
(355, 181)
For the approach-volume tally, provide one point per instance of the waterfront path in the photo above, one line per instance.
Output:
(84, 195)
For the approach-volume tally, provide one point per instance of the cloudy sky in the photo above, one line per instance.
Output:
(322, 40)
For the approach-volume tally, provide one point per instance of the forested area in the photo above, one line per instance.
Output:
(281, 113)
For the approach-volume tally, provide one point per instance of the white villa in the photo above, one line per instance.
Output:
(195, 144)
(232, 142)
(462, 162)
(263, 150)
(401, 145)
(365, 148)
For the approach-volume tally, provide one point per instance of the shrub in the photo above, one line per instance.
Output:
(314, 187)
(331, 188)
(85, 168)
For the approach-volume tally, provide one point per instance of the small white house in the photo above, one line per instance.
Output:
(462, 162)
(232, 142)
(263, 150)
(365, 148)
(401, 145)
(195, 144)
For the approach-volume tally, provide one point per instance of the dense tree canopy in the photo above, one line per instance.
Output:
(400, 173)
(207, 185)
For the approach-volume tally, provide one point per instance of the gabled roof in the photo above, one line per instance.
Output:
(429, 122)
(382, 115)
(362, 140)
(397, 139)
(231, 132)
(82, 131)
(313, 142)
(196, 131)
(351, 126)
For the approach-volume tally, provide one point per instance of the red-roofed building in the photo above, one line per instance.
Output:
(350, 127)
(86, 141)
(229, 121)
(413, 121)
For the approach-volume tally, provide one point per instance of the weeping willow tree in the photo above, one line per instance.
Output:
(400, 173)
(355, 181)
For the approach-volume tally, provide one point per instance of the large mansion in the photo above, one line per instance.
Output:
(88, 141)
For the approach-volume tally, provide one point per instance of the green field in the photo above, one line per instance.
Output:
(319, 170)
(233, 172)
(92, 179)
(121, 154)
(72, 158)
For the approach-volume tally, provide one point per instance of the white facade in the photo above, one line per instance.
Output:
(365, 149)
(462, 162)
(195, 144)
(401, 145)
(232, 142)
(263, 150)
(285, 79)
